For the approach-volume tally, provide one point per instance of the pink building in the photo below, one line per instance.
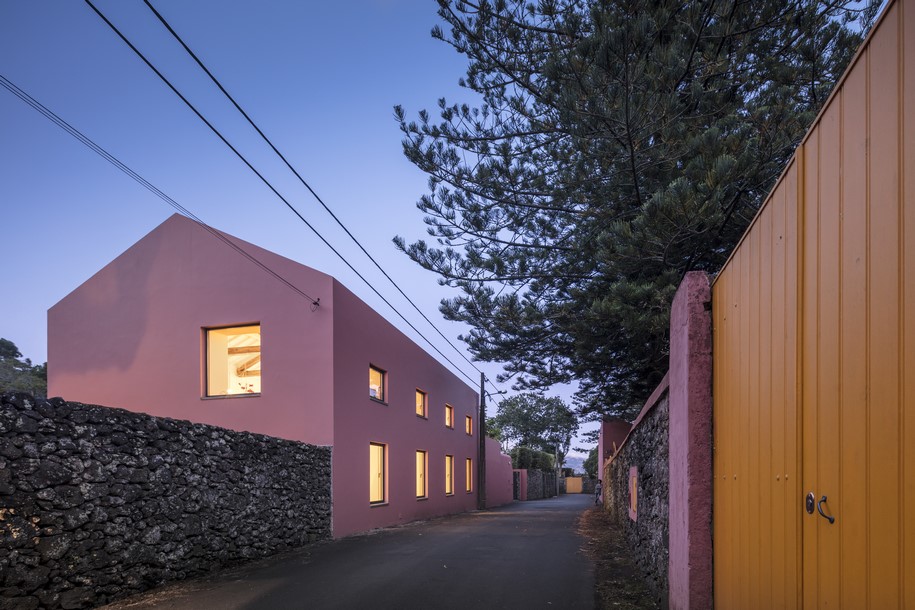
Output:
(183, 325)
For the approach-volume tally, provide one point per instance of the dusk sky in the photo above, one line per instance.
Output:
(320, 79)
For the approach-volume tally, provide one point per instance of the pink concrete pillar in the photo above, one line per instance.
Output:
(690, 496)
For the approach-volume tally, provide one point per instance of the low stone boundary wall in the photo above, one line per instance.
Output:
(535, 484)
(646, 451)
(99, 503)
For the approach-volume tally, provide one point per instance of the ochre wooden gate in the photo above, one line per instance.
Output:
(814, 358)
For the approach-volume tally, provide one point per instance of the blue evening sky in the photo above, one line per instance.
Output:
(319, 78)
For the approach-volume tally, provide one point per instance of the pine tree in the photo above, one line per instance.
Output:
(616, 146)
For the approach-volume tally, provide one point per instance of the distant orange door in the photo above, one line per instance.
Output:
(573, 485)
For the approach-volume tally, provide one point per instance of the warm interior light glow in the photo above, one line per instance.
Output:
(422, 400)
(468, 425)
(469, 474)
(449, 475)
(376, 383)
(449, 416)
(421, 474)
(234, 360)
(376, 473)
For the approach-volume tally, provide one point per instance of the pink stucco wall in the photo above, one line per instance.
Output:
(690, 496)
(363, 337)
(522, 484)
(131, 336)
(498, 475)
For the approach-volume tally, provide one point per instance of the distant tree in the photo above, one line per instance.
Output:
(18, 375)
(615, 146)
(590, 464)
(533, 420)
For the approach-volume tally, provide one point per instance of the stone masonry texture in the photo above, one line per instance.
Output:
(99, 503)
(647, 537)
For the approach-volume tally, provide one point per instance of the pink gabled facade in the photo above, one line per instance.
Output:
(134, 336)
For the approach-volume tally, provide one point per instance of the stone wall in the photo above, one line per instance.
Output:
(99, 503)
(647, 449)
(541, 484)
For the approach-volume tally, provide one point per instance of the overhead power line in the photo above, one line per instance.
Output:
(49, 114)
(269, 184)
(302, 180)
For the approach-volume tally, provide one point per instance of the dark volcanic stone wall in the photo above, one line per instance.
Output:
(647, 449)
(541, 484)
(99, 503)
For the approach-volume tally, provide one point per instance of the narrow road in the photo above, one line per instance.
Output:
(524, 555)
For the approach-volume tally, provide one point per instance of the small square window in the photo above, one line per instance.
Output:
(449, 416)
(422, 403)
(468, 425)
(233, 360)
(378, 381)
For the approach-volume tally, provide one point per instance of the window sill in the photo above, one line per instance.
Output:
(423, 499)
(377, 504)
(422, 417)
(229, 396)
(381, 402)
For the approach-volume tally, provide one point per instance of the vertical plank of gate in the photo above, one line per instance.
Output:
(754, 532)
(883, 448)
(828, 348)
(852, 377)
(809, 370)
(766, 471)
(743, 426)
(780, 317)
(794, 230)
(907, 52)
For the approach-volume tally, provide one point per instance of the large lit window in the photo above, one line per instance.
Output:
(449, 416)
(422, 403)
(449, 475)
(377, 383)
(468, 474)
(376, 473)
(233, 360)
(468, 425)
(421, 489)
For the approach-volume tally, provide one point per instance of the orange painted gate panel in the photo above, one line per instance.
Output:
(814, 356)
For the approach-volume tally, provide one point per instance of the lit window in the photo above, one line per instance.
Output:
(422, 401)
(233, 360)
(449, 416)
(468, 425)
(468, 474)
(449, 475)
(377, 379)
(421, 490)
(376, 473)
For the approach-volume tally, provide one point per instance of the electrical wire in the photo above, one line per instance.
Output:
(268, 183)
(49, 114)
(282, 157)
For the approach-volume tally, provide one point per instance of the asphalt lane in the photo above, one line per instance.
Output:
(524, 555)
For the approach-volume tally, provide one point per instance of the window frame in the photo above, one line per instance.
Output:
(425, 404)
(384, 384)
(422, 476)
(449, 475)
(383, 472)
(449, 416)
(468, 475)
(468, 425)
(206, 330)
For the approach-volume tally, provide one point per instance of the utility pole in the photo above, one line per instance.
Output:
(481, 462)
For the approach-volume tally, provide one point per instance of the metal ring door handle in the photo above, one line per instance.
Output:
(822, 514)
